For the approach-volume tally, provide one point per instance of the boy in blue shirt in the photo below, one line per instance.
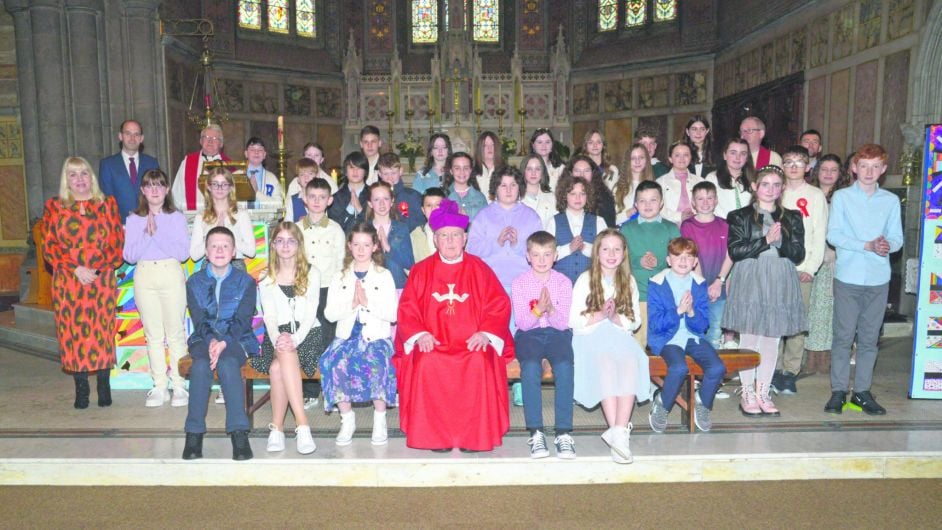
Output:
(678, 318)
(221, 300)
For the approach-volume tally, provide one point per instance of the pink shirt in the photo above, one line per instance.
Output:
(527, 287)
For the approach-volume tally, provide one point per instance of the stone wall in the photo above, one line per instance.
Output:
(14, 217)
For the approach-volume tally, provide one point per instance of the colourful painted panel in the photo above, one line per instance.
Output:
(306, 18)
(486, 20)
(424, 21)
(250, 14)
(608, 15)
(278, 16)
(665, 10)
(636, 13)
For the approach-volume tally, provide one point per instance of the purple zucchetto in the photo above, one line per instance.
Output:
(448, 214)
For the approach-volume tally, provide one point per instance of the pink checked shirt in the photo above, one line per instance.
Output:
(526, 288)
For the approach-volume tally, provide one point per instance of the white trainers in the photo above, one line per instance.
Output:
(276, 439)
(156, 397)
(310, 403)
(348, 425)
(303, 439)
(380, 433)
(181, 397)
(617, 439)
(220, 399)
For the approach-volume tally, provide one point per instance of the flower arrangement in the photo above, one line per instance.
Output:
(508, 147)
(411, 149)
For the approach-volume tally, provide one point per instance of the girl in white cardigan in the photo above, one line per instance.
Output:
(356, 367)
(293, 340)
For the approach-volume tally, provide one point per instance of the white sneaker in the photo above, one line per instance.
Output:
(276, 439)
(617, 440)
(181, 397)
(156, 397)
(220, 399)
(730, 345)
(380, 434)
(310, 403)
(303, 439)
(348, 425)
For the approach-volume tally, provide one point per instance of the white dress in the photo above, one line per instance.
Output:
(608, 360)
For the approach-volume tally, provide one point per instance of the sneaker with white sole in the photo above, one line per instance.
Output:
(701, 417)
(220, 399)
(310, 403)
(565, 446)
(537, 443)
(156, 397)
(617, 439)
(380, 433)
(181, 397)
(276, 439)
(348, 425)
(658, 415)
(302, 439)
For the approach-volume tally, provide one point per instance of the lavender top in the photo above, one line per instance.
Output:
(172, 239)
(508, 261)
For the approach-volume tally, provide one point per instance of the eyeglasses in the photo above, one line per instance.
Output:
(750, 131)
(280, 242)
(794, 163)
(154, 186)
(211, 138)
(219, 185)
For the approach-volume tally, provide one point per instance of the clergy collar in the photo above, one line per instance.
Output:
(459, 259)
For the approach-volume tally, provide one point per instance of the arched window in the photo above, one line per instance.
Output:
(635, 13)
(282, 17)
(430, 17)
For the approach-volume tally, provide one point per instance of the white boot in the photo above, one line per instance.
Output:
(304, 440)
(380, 435)
(348, 425)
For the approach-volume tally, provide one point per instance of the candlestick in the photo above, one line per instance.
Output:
(408, 96)
(282, 155)
(281, 132)
(500, 95)
(500, 122)
(389, 115)
(477, 96)
(477, 121)
(522, 112)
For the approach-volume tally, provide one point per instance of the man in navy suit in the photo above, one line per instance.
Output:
(119, 175)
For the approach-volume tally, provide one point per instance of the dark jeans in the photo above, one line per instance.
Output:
(531, 348)
(310, 388)
(229, 370)
(704, 355)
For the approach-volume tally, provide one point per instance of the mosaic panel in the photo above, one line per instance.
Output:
(538, 106)
(818, 39)
(837, 124)
(895, 93)
(585, 99)
(691, 88)
(490, 105)
(530, 19)
(379, 37)
(865, 103)
(653, 91)
(902, 15)
(297, 100)
(797, 53)
(868, 33)
(328, 103)
(375, 107)
(844, 24)
(781, 56)
(232, 94)
(817, 94)
(766, 68)
(754, 68)
(263, 98)
(617, 95)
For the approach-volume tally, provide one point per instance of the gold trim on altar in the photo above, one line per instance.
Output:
(244, 190)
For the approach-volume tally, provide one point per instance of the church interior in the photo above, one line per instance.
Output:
(297, 71)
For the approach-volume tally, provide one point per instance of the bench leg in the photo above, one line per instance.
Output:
(250, 401)
(691, 402)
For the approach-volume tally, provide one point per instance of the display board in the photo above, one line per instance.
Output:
(926, 379)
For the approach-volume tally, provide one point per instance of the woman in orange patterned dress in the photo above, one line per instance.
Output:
(83, 241)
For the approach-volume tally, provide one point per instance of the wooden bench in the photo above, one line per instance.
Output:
(734, 360)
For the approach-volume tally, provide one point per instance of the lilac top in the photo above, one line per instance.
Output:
(711, 241)
(507, 261)
(527, 287)
(172, 239)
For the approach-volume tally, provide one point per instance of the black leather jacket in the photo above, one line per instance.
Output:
(746, 239)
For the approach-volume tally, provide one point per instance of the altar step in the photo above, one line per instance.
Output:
(31, 329)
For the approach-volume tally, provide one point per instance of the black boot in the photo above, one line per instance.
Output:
(81, 390)
(193, 447)
(104, 388)
(241, 450)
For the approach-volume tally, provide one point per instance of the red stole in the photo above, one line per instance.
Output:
(190, 176)
(763, 158)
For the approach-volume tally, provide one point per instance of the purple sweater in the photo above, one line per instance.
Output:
(508, 261)
(711, 240)
(172, 239)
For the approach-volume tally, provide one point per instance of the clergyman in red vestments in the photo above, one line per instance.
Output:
(453, 345)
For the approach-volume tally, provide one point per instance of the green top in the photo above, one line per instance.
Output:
(644, 237)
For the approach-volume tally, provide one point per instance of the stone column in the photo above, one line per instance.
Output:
(144, 74)
(85, 62)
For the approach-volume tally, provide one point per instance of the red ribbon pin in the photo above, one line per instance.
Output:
(404, 209)
(803, 206)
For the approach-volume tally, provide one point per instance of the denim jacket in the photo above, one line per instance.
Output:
(231, 319)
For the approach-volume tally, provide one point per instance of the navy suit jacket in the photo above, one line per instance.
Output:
(114, 180)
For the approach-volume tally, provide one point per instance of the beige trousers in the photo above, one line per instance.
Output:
(160, 295)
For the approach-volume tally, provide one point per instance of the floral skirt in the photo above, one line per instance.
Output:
(356, 371)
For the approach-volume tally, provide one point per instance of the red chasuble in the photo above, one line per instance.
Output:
(192, 164)
(763, 158)
(452, 397)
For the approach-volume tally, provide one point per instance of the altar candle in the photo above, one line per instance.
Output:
(395, 96)
(281, 132)
(500, 95)
(431, 100)
(409, 97)
(477, 96)
(207, 99)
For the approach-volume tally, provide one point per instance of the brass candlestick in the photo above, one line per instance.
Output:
(282, 155)
(389, 116)
(431, 121)
(500, 121)
(522, 112)
(477, 121)
(409, 114)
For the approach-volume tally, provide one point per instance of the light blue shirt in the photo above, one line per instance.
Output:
(855, 219)
(679, 286)
(219, 279)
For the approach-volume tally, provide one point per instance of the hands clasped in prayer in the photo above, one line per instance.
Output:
(507, 235)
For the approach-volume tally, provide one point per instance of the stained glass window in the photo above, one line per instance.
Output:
(608, 15)
(305, 18)
(635, 13)
(665, 10)
(278, 16)
(486, 20)
(250, 14)
(425, 21)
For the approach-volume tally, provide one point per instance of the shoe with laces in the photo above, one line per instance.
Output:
(789, 384)
(867, 403)
(380, 433)
(181, 397)
(835, 405)
(276, 439)
(537, 443)
(748, 403)
(303, 440)
(701, 417)
(778, 381)
(241, 448)
(658, 415)
(348, 425)
(765, 402)
(617, 439)
(565, 446)
(310, 403)
(156, 397)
